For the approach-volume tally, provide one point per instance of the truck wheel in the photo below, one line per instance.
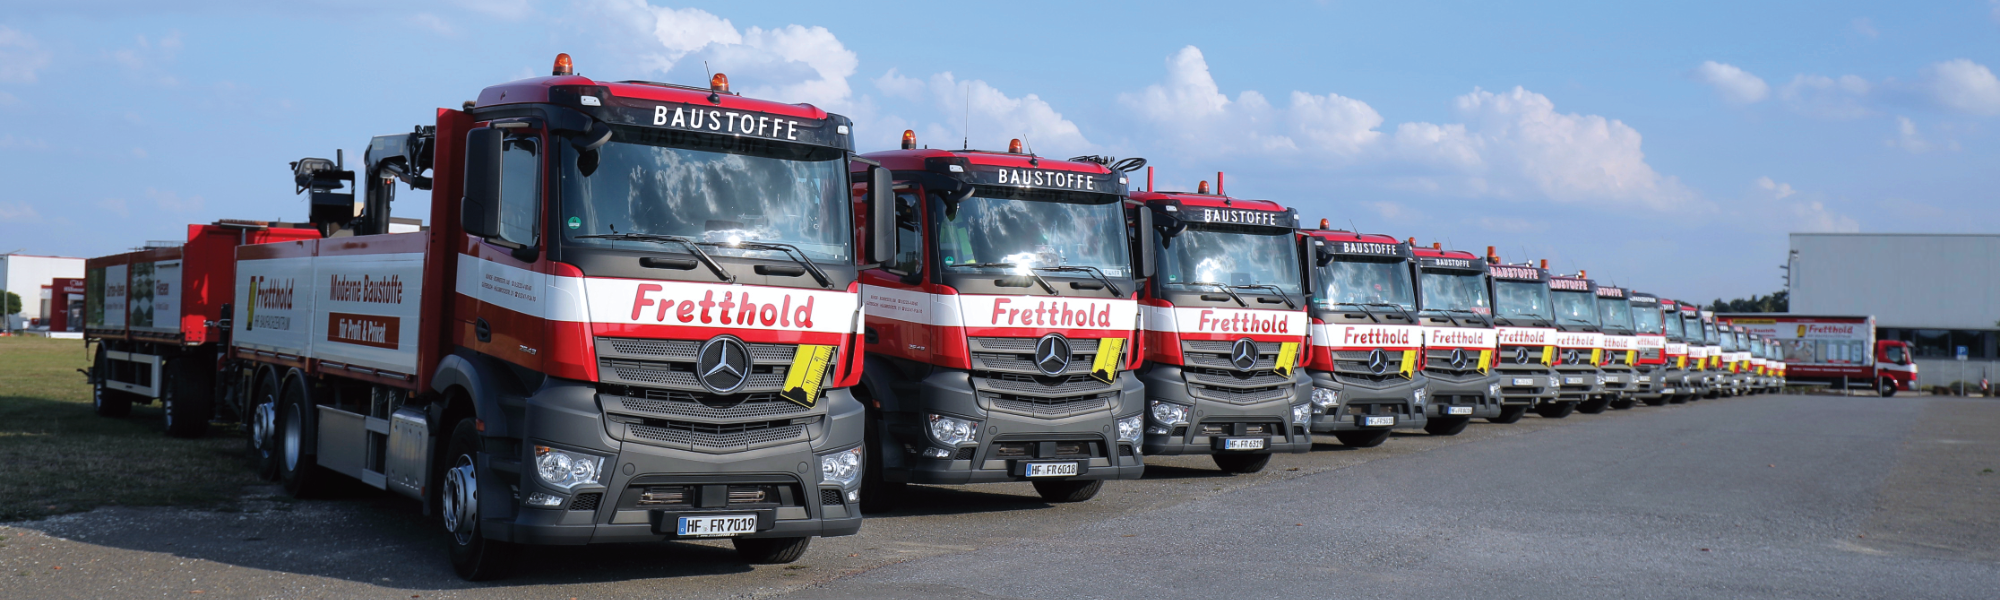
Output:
(188, 400)
(297, 468)
(1446, 426)
(262, 446)
(1241, 463)
(1593, 405)
(1660, 401)
(1064, 490)
(771, 551)
(1678, 399)
(1362, 439)
(474, 557)
(1555, 410)
(1887, 387)
(877, 496)
(105, 401)
(1509, 413)
(1624, 403)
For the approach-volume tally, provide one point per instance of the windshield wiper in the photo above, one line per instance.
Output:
(1225, 289)
(1280, 292)
(692, 246)
(1008, 265)
(1366, 306)
(788, 250)
(1093, 271)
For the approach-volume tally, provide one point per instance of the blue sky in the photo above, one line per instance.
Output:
(1669, 148)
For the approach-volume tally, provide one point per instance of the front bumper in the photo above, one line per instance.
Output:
(565, 414)
(1395, 398)
(1577, 383)
(1526, 385)
(1468, 396)
(1210, 421)
(1619, 380)
(1008, 440)
(1661, 381)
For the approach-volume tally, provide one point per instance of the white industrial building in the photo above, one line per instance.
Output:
(25, 275)
(1936, 291)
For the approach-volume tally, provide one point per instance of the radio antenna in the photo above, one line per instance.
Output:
(967, 143)
(1351, 226)
(705, 69)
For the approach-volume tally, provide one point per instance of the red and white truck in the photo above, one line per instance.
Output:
(1001, 332)
(1367, 346)
(1840, 351)
(1525, 325)
(1578, 346)
(1225, 330)
(634, 317)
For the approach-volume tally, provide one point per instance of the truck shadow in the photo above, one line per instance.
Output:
(932, 500)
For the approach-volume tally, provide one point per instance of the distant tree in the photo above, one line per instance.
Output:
(1773, 303)
(13, 304)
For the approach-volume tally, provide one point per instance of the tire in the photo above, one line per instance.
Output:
(1241, 463)
(262, 444)
(1660, 401)
(1679, 399)
(1593, 405)
(1362, 439)
(877, 496)
(298, 467)
(107, 402)
(1624, 403)
(1065, 490)
(189, 399)
(1555, 410)
(1446, 425)
(474, 557)
(1509, 413)
(771, 551)
(1887, 388)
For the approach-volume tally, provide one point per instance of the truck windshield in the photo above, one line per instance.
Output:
(1521, 299)
(1728, 342)
(1365, 281)
(1708, 337)
(1646, 318)
(1615, 313)
(1026, 229)
(1231, 255)
(1575, 308)
(1454, 290)
(707, 189)
(1675, 326)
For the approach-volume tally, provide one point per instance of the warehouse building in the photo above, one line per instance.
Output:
(25, 275)
(1939, 292)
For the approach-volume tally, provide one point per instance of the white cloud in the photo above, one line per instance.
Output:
(1777, 190)
(148, 57)
(1773, 203)
(1814, 217)
(994, 114)
(171, 202)
(21, 57)
(18, 212)
(1192, 114)
(1734, 84)
(792, 63)
(1866, 27)
(1827, 97)
(1964, 86)
(1908, 138)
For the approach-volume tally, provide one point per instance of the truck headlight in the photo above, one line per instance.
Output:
(1493, 391)
(1325, 398)
(1302, 414)
(565, 469)
(1168, 413)
(952, 431)
(1129, 428)
(841, 467)
(1417, 397)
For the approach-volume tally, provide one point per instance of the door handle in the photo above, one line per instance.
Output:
(482, 331)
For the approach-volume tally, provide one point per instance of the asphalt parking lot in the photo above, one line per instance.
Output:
(1767, 496)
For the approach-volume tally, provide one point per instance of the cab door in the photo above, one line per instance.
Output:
(500, 288)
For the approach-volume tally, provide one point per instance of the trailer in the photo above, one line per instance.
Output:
(1838, 351)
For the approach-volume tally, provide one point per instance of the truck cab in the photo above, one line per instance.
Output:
(1760, 367)
(1668, 373)
(1003, 331)
(1524, 323)
(1224, 320)
(1460, 342)
(1619, 362)
(1715, 374)
(1366, 343)
(1735, 357)
(1650, 359)
(1579, 346)
(1895, 367)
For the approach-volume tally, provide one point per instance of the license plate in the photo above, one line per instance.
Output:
(1611, 378)
(1524, 381)
(1377, 421)
(1572, 380)
(1064, 469)
(1645, 378)
(1458, 410)
(1243, 444)
(1667, 391)
(717, 525)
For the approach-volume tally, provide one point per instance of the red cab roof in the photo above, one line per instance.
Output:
(537, 90)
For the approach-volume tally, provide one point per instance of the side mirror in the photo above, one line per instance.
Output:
(1148, 254)
(881, 215)
(479, 212)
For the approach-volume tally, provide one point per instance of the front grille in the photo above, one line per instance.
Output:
(1377, 409)
(685, 404)
(1016, 355)
(670, 364)
(1507, 355)
(1048, 407)
(1354, 364)
(830, 497)
(1240, 395)
(1223, 429)
(586, 501)
(1042, 386)
(965, 453)
(1060, 449)
(1211, 375)
(708, 436)
(681, 375)
(1006, 378)
(1439, 361)
(1649, 353)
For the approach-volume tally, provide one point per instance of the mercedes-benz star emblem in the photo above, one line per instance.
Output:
(1243, 354)
(1569, 356)
(723, 364)
(1052, 354)
(1520, 355)
(1458, 358)
(1378, 362)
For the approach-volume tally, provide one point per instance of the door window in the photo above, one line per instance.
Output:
(520, 189)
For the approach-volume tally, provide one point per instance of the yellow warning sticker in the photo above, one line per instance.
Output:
(1288, 353)
(808, 371)
(1596, 356)
(1548, 355)
(1682, 363)
(1485, 360)
(1105, 368)
(1409, 368)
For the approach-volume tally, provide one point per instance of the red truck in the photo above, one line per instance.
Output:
(1840, 351)
(635, 317)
